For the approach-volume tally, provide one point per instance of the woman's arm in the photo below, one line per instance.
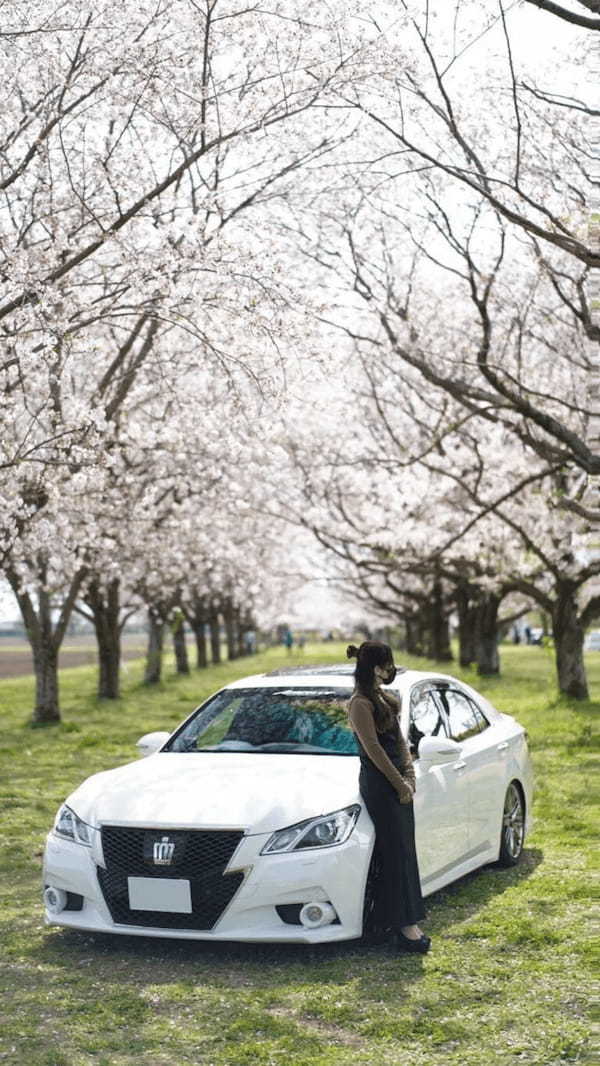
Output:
(363, 723)
(408, 770)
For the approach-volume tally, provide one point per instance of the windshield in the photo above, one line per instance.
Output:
(307, 721)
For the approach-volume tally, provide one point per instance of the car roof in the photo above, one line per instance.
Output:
(342, 676)
(343, 669)
(315, 676)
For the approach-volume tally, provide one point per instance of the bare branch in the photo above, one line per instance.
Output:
(569, 16)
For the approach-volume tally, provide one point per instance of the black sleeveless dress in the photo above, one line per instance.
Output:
(399, 901)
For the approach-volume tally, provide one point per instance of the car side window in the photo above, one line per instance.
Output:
(425, 718)
(480, 716)
(464, 718)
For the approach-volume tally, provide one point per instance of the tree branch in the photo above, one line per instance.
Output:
(569, 16)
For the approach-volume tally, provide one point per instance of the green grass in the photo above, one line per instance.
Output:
(507, 980)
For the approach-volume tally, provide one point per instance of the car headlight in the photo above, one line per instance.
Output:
(71, 827)
(323, 832)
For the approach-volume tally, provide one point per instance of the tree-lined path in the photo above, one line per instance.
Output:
(288, 290)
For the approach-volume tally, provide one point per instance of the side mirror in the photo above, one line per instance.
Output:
(437, 751)
(151, 742)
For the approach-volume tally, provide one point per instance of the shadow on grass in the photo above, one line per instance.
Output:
(165, 959)
(474, 890)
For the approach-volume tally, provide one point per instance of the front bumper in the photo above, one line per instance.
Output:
(335, 875)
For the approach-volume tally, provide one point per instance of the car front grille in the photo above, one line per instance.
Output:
(198, 856)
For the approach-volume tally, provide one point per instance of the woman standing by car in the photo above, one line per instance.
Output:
(387, 785)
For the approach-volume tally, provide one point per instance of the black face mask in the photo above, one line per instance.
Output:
(391, 676)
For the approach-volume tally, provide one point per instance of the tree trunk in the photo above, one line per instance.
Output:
(488, 659)
(215, 637)
(467, 623)
(438, 627)
(568, 643)
(241, 627)
(414, 634)
(201, 650)
(442, 649)
(45, 664)
(229, 619)
(105, 609)
(179, 644)
(196, 618)
(44, 638)
(156, 627)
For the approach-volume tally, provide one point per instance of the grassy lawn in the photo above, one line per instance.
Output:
(507, 980)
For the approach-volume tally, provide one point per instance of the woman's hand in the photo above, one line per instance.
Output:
(405, 792)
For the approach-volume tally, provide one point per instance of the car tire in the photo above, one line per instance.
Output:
(512, 832)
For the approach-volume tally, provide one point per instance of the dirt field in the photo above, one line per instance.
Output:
(15, 656)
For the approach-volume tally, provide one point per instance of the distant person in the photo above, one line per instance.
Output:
(528, 634)
(301, 642)
(250, 642)
(288, 640)
(387, 785)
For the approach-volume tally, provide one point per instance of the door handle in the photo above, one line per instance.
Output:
(503, 746)
(459, 766)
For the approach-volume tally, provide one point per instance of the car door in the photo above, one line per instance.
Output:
(440, 800)
(483, 770)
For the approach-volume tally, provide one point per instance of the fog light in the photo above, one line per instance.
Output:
(314, 915)
(55, 899)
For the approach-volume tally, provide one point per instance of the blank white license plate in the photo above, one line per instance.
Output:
(159, 894)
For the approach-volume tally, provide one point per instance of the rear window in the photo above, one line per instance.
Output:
(281, 720)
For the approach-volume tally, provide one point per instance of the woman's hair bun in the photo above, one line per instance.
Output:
(352, 651)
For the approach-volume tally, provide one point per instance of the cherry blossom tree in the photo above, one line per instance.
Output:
(92, 93)
(127, 152)
(170, 213)
(472, 174)
(462, 231)
(428, 510)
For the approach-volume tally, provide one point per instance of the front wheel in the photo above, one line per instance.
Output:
(512, 833)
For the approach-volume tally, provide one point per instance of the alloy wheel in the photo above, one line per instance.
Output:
(513, 822)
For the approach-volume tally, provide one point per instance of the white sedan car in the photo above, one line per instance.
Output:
(247, 824)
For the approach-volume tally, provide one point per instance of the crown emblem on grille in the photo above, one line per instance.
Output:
(163, 851)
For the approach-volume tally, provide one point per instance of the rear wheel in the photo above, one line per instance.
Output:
(513, 826)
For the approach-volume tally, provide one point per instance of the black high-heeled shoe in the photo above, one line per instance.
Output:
(420, 946)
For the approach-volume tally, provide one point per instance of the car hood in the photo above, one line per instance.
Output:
(258, 793)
